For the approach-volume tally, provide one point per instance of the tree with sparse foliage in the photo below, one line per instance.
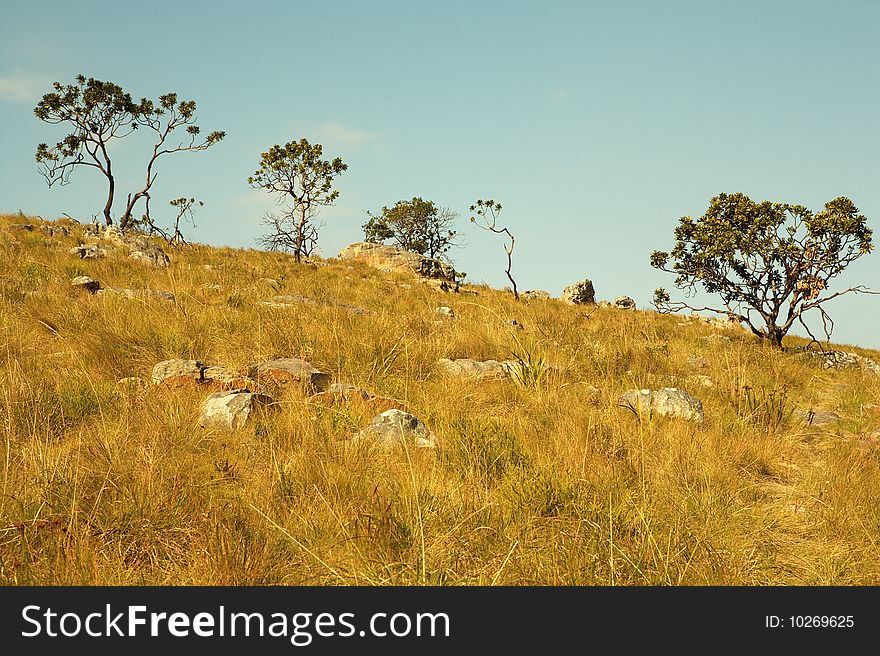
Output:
(487, 212)
(100, 113)
(416, 225)
(769, 262)
(302, 182)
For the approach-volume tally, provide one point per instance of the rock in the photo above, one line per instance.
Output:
(283, 372)
(231, 410)
(292, 299)
(89, 251)
(154, 257)
(624, 303)
(21, 227)
(88, 284)
(816, 417)
(158, 295)
(271, 282)
(579, 293)
(394, 427)
(702, 381)
(840, 360)
(221, 378)
(54, 230)
(715, 338)
(178, 373)
(207, 267)
(467, 368)
(536, 295)
(446, 311)
(385, 257)
(667, 402)
(513, 323)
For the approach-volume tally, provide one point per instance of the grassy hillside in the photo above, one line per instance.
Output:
(536, 482)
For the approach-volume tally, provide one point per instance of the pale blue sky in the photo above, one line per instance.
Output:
(596, 125)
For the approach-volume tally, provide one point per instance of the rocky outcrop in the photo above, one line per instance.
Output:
(221, 378)
(579, 293)
(840, 360)
(667, 402)
(395, 427)
(289, 372)
(231, 410)
(396, 259)
(815, 417)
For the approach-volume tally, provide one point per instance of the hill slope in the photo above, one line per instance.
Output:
(536, 479)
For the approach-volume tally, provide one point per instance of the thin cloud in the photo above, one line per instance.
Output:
(343, 135)
(22, 88)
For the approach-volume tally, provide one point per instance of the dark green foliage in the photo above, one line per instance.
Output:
(98, 113)
(773, 260)
(416, 225)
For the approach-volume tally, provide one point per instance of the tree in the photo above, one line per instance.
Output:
(415, 225)
(488, 211)
(303, 183)
(772, 260)
(185, 208)
(100, 112)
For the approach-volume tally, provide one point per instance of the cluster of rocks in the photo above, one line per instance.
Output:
(237, 396)
(395, 259)
(140, 248)
(579, 293)
(621, 303)
(840, 360)
(93, 286)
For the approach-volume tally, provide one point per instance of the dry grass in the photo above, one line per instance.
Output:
(534, 482)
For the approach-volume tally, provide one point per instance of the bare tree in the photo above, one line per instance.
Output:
(488, 211)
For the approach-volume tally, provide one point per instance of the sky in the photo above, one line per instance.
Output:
(596, 125)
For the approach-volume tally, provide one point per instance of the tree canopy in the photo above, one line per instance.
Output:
(415, 225)
(769, 262)
(302, 183)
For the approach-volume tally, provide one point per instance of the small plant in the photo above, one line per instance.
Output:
(765, 407)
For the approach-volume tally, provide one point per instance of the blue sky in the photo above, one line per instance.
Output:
(596, 125)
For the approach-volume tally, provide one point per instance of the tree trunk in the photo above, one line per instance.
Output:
(299, 236)
(109, 203)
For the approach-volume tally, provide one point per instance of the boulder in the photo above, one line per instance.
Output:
(579, 293)
(283, 372)
(89, 251)
(814, 417)
(385, 257)
(178, 373)
(88, 284)
(667, 402)
(394, 427)
(624, 303)
(231, 410)
(535, 295)
(467, 368)
(446, 311)
(840, 360)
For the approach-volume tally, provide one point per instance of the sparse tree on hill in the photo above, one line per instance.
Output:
(100, 113)
(769, 262)
(303, 183)
(488, 211)
(185, 208)
(416, 225)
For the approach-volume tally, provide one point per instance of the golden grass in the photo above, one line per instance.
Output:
(534, 482)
